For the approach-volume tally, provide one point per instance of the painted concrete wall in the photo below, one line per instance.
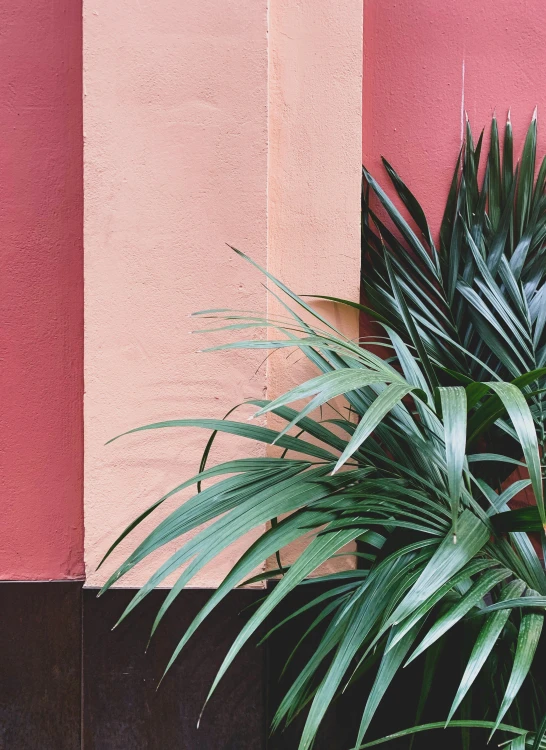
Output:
(177, 113)
(41, 290)
(426, 62)
(315, 115)
(175, 120)
(315, 111)
(427, 65)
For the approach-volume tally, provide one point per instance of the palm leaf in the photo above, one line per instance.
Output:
(460, 366)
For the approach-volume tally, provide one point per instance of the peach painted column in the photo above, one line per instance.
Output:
(315, 147)
(175, 119)
(426, 63)
(178, 106)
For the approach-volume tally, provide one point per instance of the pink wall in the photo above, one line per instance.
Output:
(425, 62)
(41, 526)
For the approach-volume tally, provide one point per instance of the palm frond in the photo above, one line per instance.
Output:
(416, 470)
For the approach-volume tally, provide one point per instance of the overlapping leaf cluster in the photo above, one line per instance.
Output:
(416, 469)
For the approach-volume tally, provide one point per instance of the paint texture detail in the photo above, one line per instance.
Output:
(315, 115)
(175, 114)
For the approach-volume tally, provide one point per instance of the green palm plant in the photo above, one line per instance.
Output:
(417, 469)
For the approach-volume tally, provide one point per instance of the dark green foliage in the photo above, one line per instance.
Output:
(416, 468)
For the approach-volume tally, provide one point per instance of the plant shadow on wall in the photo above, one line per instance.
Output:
(439, 434)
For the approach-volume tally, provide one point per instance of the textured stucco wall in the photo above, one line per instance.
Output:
(315, 115)
(426, 62)
(41, 290)
(178, 159)
(315, 108)
(175, 120)
(176, 100)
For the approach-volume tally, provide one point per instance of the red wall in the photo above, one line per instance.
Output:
(41, 290)
(413, 82)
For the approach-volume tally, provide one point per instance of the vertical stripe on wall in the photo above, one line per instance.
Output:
(41, 322)
(315, 146)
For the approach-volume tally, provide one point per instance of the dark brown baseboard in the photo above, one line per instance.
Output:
(122, 707)
(68, 682)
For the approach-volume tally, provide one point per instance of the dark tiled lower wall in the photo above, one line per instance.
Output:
(122, 708)
(67, 682)
(40, 666)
